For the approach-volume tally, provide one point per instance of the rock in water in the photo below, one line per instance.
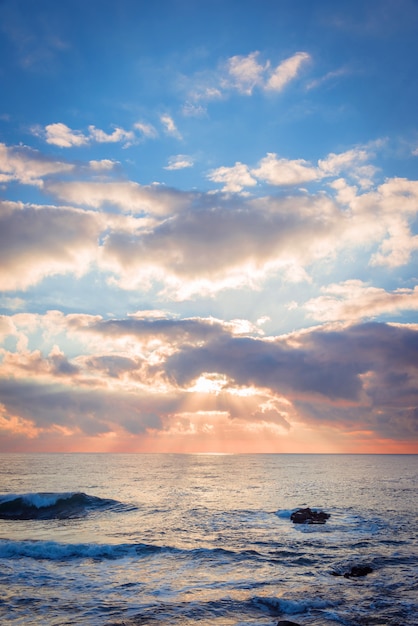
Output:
(355, 572)
(358, 570)
(307, 516)
(286, 622)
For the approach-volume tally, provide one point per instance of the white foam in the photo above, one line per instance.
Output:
(285, 513)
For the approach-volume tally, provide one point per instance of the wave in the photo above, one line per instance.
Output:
(55, 551)
(227, 609)
(45, 506)
(279, 606)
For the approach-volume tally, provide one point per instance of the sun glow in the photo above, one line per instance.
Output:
(209, 383)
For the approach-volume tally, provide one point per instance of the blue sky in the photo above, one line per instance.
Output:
(190, 186)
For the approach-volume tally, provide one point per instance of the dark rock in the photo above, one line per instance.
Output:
(355, 572)
(286, 622)
(307, 516)
(358, 570)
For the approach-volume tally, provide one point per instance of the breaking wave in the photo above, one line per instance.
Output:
(45, 506)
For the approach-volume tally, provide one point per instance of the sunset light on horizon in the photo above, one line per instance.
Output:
(209, 226)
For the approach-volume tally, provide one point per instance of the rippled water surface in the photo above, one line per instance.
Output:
(207, 539)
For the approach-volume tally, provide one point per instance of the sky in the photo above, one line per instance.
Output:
(209, 226)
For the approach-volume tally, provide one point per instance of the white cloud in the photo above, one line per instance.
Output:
(333, 164)
(118, 135)
(386, 214)
(276, 171)
(354, 300)
(127, 195)
(166, 235)
(28, 166)
(286, 71)
(61, 135)
(397, 249)
(103, 164)
(170, 127)
(234, 178)
(245, 73)
(147, 130)
(280, 171)
(179, 162)
(352, 161)
(40, 241)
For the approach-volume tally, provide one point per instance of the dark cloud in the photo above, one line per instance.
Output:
(164, 328)
(61, 366)
(92, 411)
(364, 375)
(268, 364)
(112, 365)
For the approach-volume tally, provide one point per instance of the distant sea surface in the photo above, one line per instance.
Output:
(103, 539)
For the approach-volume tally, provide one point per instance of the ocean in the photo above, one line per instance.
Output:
(138, 539)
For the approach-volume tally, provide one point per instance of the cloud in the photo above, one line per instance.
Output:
(77, 410)
(234, 178)
(147, 130)
(280, 172)
(341, 377)
(61, 135)
(102, 165)
(286, 71)
(154, 373)
(27, 166)
(244, 73)
(118, 135)
(126, 195)
(170, 235)
(328, 77)
(387, 213)
(179, 162)
(354, 300)
(244, 243)
(334, 164)
(191, 243)
(353, 161)
(169, 126)
(40, 241)
(157, 331)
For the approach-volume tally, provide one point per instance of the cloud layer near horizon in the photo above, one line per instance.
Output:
(159, 375)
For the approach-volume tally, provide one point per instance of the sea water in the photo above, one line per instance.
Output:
(105, 539)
